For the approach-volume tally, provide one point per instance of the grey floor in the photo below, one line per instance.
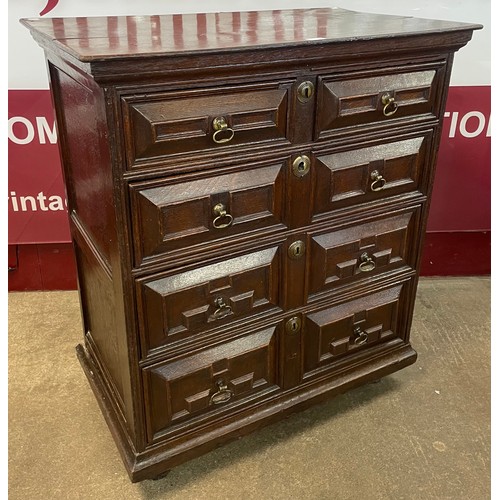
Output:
(421, 433)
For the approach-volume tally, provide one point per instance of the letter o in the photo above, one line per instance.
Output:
(30, 130)
(480, 126)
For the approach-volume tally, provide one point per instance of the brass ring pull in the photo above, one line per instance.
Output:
(221, 129)
(222, 310)
(367, 263)
(390, 104)
(359, 336)
(378, 181)
(222, 219)
(223, 394)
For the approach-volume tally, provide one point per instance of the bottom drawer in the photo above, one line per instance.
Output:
(212, 382)
(342, 331)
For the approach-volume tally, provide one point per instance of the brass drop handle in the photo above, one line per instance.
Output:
(390, 104)
(378, 181)
(222, 217)
(223, 133)
(222, 310)
(367, 263)
(222, 395)
(359, 337)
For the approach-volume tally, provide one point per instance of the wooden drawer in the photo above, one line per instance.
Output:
(340, 332)
(358, 99)
(211, 383)
(176, 305)
(173, 214)
(159, 125)
(364, 174)
(343, 255)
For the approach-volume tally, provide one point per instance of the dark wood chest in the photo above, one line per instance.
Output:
(248, 194)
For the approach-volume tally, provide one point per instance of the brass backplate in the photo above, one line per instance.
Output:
(296, 249)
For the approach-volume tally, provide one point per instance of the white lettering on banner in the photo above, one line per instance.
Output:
(29, 203)
(43, 130)
(470, 125)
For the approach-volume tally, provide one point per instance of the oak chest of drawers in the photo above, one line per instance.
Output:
(247, 194)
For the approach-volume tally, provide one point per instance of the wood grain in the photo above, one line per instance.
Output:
(196, 334)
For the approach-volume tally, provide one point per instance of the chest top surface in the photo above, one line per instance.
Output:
(102, 38)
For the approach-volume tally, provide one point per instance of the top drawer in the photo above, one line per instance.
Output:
(377, 98)
(164, 124)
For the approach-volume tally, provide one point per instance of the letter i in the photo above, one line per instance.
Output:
(13, 199)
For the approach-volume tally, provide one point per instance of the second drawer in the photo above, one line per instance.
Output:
(189, 213)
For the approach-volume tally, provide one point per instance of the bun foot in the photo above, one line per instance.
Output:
(161, 476)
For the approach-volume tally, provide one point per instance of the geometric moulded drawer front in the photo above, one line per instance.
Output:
(346, 101)
(171, 216)
(344, 255)
(182, 122)
(351, 327)
(178, 305)
(240, 287)
(367, 174)
(213, 381)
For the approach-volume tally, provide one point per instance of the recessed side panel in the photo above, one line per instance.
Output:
(98, 314)
(82, 129)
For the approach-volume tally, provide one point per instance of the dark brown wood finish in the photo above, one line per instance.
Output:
(172, 214)
(181, 123)
(248, 194)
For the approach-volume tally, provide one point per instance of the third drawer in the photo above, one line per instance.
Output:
(213, 296)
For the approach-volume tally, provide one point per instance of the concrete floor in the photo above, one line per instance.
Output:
(421, 433)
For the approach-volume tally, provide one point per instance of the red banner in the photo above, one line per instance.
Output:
(37, 201)
(461, 200)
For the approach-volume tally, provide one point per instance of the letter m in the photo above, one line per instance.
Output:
(44, 130)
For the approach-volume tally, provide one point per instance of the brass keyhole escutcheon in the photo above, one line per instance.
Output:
(301, 165)
(305, 91)
(296, 249)
(293, 325)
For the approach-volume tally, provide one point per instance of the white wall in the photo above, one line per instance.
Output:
(27, 66)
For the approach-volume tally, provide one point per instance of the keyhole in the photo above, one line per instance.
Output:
(293, 324)
(296, 249)
(301, 165)
(305, 91)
